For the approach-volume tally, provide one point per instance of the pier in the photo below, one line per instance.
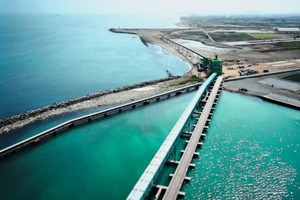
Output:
(94, 116)
(179, 176)
(147, 180)
(185, 51)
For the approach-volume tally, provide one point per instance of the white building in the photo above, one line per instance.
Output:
(287, 30)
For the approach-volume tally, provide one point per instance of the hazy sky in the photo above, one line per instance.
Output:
(151, 6)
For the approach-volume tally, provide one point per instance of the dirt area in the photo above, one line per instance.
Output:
(232, 70)
(230, 54)
(243, 57)
(273, 86)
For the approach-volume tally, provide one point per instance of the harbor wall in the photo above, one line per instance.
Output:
(91, 117)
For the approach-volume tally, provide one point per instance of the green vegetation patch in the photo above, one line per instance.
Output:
(191, 80)
(231, 37)
(288, 45)
(265, 35)
(243, 21)
(194, 33)
(296, 50)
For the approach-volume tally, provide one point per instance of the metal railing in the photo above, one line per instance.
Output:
(88, 118)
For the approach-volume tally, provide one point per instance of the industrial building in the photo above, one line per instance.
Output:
(287, 30)
(212, 65)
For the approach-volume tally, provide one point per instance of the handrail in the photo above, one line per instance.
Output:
(147, 179)
(70, 123)
(163, 37)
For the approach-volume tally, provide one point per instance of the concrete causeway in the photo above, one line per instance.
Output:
(180, 174)
(147, 180)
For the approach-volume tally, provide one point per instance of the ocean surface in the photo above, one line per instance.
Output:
(251, 151)
(50, 58)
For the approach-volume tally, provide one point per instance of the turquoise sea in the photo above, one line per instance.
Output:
(50, 58)
(249, 154)
(251, 150)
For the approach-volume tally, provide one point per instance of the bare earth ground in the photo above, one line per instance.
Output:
(231, 55)
(270, 87)
(260, 67)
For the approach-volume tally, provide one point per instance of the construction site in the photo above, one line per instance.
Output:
(235, 49)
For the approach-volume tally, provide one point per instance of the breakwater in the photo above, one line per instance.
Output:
(94, 116)
(64, 104)
(144, 40)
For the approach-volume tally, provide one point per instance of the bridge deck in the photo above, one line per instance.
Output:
(181, 170)
(147, 179)
(181, 48)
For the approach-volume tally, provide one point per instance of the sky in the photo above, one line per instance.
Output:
(200, 7)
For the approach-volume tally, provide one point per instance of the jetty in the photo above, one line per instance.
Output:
(179, 176)
(207, 95)
(91, 117)
(188, 53)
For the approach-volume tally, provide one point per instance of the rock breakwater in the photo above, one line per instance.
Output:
(144, 40)
(7, 121)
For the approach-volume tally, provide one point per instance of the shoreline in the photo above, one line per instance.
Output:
(104, 98)
(265, 98)
(144, 40)
(253, 86)
(153, 36)
(118, 95)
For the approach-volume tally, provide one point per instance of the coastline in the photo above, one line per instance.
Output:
(108, 97)
(265, 98)
(144, 40)
(153, 36)
(118, 95)
(254, 86)
(105, 98)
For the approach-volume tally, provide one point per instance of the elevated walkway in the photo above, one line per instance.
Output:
(146, 181)
(91, 117)
(185, 51)
(179, 176)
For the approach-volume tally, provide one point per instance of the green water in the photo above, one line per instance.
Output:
(101, 160)
(251, 151)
